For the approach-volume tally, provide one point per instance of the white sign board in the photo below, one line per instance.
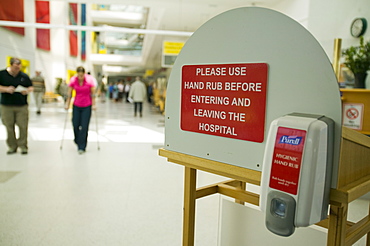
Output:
(236, 74)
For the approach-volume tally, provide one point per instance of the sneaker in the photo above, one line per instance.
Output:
(81, 151)
(11, 151)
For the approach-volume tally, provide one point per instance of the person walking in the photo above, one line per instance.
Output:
(127, 90)
(110, 90)
(38, 90)
(83, 103)
(120, 88)
(14, 87)
(115, 92)
(138, 95)
(63, 90)
(102, 91)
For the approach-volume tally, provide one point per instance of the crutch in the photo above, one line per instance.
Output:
(97, 130)
(64, 129)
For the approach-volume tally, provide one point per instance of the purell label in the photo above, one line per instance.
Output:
(293, 140)
(287, 159)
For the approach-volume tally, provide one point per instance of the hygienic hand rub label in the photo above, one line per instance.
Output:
(287, 159)
(227, 100)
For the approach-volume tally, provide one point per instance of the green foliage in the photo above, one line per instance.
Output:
(357, 58)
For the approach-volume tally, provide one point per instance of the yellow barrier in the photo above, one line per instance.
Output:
(50, 96)
(159, 100)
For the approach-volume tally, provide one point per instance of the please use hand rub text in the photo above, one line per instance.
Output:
(221, 71)
(227, 86)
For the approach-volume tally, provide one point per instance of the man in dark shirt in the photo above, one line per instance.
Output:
(14, 87)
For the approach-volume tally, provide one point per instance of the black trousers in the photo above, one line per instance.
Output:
(138, 106)
(80, 121)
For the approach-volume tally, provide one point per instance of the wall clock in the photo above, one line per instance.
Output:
(358, 27)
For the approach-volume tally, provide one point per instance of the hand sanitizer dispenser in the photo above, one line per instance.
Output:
(296, 172)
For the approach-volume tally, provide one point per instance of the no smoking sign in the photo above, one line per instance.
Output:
(353, 115)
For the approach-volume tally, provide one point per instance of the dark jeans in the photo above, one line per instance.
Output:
(138, 107)
(80, 121)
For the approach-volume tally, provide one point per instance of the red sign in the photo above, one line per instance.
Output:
(227, 100)
(287, 159)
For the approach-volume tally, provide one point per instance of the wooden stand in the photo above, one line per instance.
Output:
(353, 182)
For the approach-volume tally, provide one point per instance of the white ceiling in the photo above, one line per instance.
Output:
(186, 15)
(178, 15)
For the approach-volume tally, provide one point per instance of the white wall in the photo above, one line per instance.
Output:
(58, 61)
(52, 63)
(331, 19)
(296, 9)
(57, 57)
(327, 20)
(13, 44)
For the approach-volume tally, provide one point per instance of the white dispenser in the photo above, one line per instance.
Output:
(296, 172)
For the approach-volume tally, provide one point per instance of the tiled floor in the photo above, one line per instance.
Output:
(120, 192)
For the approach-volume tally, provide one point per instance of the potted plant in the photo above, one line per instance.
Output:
(357, 59)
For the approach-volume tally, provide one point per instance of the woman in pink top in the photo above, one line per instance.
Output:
(84, 102)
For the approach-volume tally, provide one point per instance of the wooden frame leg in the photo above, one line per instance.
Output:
(189, 206)
(242, 186)
(368, 234)
(337, 225)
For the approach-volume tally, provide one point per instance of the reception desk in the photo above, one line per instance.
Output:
(356, 104)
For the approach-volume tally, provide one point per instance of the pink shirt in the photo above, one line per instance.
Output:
(83, 92)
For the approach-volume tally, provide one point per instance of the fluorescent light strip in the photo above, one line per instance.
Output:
(94, 28)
